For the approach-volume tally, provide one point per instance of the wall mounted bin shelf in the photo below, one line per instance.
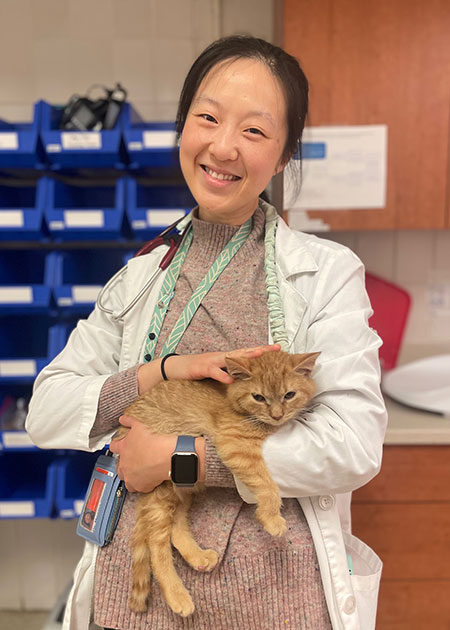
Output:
(150, 209)
(27, 345)
(26, 278)
(80, 274)
(149, 144)
(22, 210)
(20, 146)
(85, 212)
(80, 149)
(27, 485)
(72, 480)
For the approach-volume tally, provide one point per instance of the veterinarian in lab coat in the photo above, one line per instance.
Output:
(336, 446)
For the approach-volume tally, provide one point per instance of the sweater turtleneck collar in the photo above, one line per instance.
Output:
(209, 239)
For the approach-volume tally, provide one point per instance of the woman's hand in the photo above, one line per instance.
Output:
(145, 456)
(209, 365)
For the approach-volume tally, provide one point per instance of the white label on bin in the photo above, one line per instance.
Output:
(18, 295)
(56, 225)
(81, 140)
(65, 301)
(16, 438)
(66, 513)
(159, 139)
(135, 146)
(9, 140)
(11, 218)
(163, 217)
(85, 293)
(53, 148)
(16, 508)
(139, 224)
(78, 506)
(84, 218)
(25, 367)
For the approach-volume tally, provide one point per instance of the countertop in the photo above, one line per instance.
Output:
(410, 426)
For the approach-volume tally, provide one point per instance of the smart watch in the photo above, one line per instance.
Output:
(184, 462)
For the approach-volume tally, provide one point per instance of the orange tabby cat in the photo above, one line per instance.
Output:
(267, 392)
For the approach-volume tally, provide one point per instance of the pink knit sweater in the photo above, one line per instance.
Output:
(260, 582)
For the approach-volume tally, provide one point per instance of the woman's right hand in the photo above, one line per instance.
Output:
(195, 367)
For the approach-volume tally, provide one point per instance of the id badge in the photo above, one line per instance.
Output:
(103, 503)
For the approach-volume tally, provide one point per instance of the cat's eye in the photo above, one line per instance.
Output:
(289, 395)
(259, 397)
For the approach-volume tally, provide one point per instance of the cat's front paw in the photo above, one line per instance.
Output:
(276, 526)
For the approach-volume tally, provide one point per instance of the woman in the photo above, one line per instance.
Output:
(240, 119)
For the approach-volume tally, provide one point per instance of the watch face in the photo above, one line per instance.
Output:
(184, 468)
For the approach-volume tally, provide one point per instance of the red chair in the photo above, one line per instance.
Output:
(390, 304)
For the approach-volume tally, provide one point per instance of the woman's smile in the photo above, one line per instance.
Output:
(233, 139)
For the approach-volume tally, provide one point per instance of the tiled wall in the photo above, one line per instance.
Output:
(418, 261)
(51, 49)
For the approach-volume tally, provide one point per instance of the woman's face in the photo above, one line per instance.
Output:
(233, 139)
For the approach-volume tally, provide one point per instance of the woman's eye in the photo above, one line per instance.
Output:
(259, 398)
(255, 131)
(289, 395)
(208, 117)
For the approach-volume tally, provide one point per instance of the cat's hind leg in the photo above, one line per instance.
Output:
(183, 540)
(160, 516)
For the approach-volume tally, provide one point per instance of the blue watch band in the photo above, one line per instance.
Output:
(185, 444)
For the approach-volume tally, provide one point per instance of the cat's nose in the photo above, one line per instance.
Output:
(277, 417)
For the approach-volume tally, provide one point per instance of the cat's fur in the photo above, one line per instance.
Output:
(237, 424)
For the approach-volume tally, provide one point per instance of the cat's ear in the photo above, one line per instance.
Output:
(238, 368)
(304, 363)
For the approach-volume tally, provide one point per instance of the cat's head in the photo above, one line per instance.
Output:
(272, 388)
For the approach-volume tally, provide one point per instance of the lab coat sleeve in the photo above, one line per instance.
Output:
(65, 396)
(337, 446)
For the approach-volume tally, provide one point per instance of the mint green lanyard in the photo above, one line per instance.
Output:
(167, 291)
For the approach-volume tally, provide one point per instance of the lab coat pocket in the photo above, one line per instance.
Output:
(365, 580)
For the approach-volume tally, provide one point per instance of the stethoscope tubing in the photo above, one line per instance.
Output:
(173, 243)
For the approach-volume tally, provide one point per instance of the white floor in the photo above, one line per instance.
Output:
(22, 620)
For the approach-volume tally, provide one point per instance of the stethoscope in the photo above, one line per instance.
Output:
(164, 238)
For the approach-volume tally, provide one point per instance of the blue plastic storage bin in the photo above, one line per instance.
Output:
(22, 210)
(72, 480)
(20, 144)
(85, 212)
(27, 344)
(80, 274)
(81, 149)
(27, 485)
(149, 144)
(150, 209)
(26, 279)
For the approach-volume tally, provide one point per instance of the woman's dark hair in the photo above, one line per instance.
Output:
(283, 66)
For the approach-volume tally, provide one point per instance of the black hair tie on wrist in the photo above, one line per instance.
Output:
(163, 360)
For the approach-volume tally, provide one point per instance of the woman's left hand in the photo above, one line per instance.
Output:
(144, 456)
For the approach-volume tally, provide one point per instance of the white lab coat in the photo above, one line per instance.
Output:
(333, 450)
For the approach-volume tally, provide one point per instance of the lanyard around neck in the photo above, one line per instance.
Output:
(167, 291)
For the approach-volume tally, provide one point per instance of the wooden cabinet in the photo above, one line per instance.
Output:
(404, 514)
(382, 62)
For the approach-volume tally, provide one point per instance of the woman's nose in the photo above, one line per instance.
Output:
(224, 145)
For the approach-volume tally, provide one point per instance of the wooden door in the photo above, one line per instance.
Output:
(382, 62)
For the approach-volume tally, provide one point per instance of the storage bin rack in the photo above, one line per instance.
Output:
(80, 274)
(20, 143)
(26, 281)
(22, 210)
(81, 149)
(26, 347)
(27, 484)
(85, 212)
(64, 232)
(150, 209)
(149, 144)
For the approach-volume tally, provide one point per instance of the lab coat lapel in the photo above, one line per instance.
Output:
(292, 258)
